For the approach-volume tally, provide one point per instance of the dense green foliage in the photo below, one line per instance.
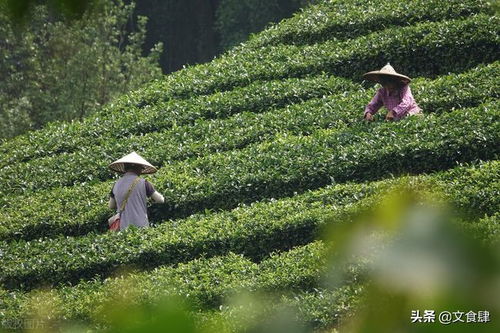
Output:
(254, 230)
(54, 69)
(279, 168)
(213, 25)
(257, 97)
(437, 54)
(258, 152)
(223, 131)
(331, 20)
(21, 10)
(216, 279)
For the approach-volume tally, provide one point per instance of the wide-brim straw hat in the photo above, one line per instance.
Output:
(387, 70)
(133, 158)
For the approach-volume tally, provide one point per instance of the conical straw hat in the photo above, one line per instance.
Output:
(134, 158)
(386, 70)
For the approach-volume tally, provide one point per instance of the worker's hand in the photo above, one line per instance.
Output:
(389, 116)
(368, 117)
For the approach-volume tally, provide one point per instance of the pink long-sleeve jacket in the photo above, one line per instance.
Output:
(401, 103)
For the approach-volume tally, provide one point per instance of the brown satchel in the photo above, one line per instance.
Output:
(114, 221)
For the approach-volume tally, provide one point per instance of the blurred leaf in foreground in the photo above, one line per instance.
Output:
(424, 273)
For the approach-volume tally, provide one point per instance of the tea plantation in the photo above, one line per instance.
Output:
(258, 151)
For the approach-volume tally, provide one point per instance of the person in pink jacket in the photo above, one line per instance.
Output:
(395, 95)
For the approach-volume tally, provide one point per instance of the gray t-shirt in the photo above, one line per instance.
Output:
(135, 212)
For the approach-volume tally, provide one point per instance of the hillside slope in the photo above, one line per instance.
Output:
(255, 150)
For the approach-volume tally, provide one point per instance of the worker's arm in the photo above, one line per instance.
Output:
(157, 197)
(112, 201)
(153, 194)
(375, 104)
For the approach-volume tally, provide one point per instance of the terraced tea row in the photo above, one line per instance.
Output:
(216, 279)
(360, 152)
(343, 20)
(209, 136)
(423, 49)
(318, 309)
(259, 150)
(179, 143)
(275, 169)
(253, 231)
(447, 92)
(115, 125)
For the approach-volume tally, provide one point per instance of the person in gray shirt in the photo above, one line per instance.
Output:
(135, 212)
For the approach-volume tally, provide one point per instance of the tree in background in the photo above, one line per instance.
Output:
(71, 56)
(53, 68)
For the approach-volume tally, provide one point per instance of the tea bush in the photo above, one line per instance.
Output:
(345, 20)
(214, 280)
(254, 231)
(276, 169)
(216, 135)
(204, 182)
(423, 50)
(258, 151)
